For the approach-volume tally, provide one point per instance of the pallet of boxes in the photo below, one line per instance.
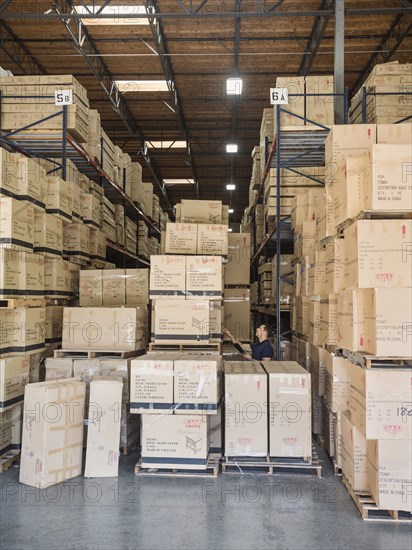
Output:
(177, 386)
(361, 346)
(91, 371)
(268, 419)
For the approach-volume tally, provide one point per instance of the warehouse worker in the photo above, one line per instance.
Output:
(262, 351)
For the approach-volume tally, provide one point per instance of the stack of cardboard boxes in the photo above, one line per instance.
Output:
(237, 297)
(178, 396)
(267, 410)
(392, 79)
(355, 295)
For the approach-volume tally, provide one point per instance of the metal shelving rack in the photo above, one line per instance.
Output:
(366, 93)
(55, 145)
(299, 146)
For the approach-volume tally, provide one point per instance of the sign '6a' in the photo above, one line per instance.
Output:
(279, 96)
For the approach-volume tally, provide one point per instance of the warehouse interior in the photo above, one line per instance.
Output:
(206, 274)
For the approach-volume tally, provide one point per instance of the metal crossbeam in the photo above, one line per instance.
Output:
(18, 52)
(210, 15)
(390, 43)
(4, 5)
(84, 45)
(315, 38)
(162, 51)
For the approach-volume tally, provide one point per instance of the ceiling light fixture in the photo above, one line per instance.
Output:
(234, 86)
(142, 85)
(230, 229)
(179, 181)
(231, 148)
(230, 187)
(167, 144)
(230, 210)
(116, 11)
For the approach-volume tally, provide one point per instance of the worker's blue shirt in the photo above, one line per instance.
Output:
(261, 350)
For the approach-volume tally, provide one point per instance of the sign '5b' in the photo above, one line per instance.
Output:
(63, 97)
(279, 96)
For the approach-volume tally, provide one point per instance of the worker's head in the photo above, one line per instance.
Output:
(263, 332)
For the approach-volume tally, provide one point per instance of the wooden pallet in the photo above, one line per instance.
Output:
(337, 471)
(186, 347)
(212, 470)
(368, 361)
(370, 512)
(8, 459)
(60, 353)
(272, 466)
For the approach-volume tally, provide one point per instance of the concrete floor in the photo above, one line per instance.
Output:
(232, 512)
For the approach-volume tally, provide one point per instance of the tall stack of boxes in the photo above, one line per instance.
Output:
(237, 292)
(356, 296)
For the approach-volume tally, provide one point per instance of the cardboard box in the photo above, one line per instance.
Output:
(167, 277)
(197, 384)
(350, 333)
(200, 212)
(54, 324)
(52, 439)
(23, 330)
(216, 432)
(302, 315)
(137, 286)
(394, 133)
(151, 384)
(337, 386)
(329, 422)
(354, 464)
(31, 184)
(216, 316)
(91, 210)
(175, 441)
(91, 287)
(296, 105)
(386, 181)
(328, 326)
(14, 375)
(237, 312)
(181, 322)
(103, 427)
(380, 402)
(48, 233)
(109, 329)
(181, 238)
(246, 398)
(8, 169)
(290, 432)
(387, 322)
(119, 368)
(237, 269)
(10, 261)
(212, 239)
(147, 198)
(320, 108)
(318, 358)
(378, 253)
(314, 321)
(304, 357)
(76, 240)
(16, 224)
(59, 198)
(31, 274)
(204, 277)
(334, 266)
(317, 413)
(114, 287)
(58, 368)
(57, 278)
(389, 474)
(98, 241)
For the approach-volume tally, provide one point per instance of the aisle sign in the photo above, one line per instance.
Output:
(63, 97)
(279, 96)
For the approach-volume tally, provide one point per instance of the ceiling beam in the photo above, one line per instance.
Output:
(83, 44)
(162, 51)
(397, 32)
(18, 52)
(315, 38)
(209, 15)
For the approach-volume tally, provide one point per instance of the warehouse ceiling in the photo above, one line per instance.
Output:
(196, 45)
